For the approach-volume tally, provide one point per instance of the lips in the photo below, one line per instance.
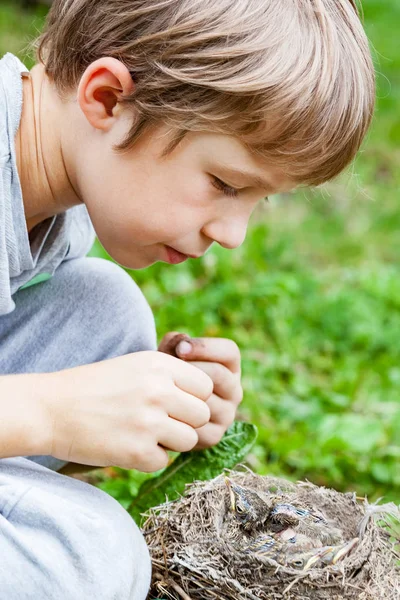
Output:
(174, 257)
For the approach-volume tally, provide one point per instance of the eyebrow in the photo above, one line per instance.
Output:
(254, 178)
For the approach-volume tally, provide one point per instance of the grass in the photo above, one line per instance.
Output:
(313, 300)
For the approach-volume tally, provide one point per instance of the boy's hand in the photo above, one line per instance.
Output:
(126, 411)
(220, 359)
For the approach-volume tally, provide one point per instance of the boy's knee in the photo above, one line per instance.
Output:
(70, 540)
(111, 307)
(112, 555)
(123, 569)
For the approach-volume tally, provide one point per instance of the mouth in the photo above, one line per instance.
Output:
(174, 257)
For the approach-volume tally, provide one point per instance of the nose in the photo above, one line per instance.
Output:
(228, 233)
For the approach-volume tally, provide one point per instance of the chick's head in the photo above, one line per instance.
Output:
(250, 510)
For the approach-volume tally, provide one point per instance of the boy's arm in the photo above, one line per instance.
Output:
(25, 429)
(125, 411)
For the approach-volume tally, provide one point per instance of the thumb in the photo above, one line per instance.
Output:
(176, 344)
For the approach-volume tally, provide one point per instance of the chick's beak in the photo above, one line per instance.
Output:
(229, 483)
(344, 550)
(311, 562)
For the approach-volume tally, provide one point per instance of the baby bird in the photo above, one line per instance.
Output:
(297, 553)
(250, 508)
(267, 546)
(287, 515)
(305, 522)
(319, 557)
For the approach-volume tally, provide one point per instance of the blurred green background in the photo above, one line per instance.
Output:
(312, 298)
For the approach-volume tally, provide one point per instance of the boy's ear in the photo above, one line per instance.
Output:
(103, 83)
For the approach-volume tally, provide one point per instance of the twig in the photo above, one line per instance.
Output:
(180, 591)
(292, 583)
(175, 587)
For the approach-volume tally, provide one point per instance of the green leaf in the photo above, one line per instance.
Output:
(196, 465)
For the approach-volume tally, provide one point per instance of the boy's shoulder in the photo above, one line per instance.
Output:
(10, 65)
(11, 70)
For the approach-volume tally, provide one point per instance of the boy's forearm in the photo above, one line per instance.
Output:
(25, 427)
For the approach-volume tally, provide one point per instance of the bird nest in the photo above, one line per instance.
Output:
(251, 537)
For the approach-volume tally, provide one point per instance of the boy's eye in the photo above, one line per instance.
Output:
(224, 187)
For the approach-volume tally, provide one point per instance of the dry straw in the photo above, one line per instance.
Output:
(194, 559)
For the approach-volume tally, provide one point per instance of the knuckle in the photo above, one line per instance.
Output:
(148, 424)
(220, 374)
(137, 457)
(190, 440)
(161, 462)
(205, 414)
(157, 394)
(211, 436)
(150, 458)
(201, 418)
(238, 396)
(186, 441)
(145, 423)
(208, 384)
(226, 417)
(155, 401)
(230, 417)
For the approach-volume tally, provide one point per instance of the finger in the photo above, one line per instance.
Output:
(222, 411)
(218, 350)
(188, 409)
(226, 384)
(209, 435)
(185, 376)
(178, 437)
(148, 462)
(170, 341)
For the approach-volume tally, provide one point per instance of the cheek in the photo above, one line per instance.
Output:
(167, 205)
(142, 204)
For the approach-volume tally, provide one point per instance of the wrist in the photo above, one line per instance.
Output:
(36, 424)
(26, 427)
(55, 412)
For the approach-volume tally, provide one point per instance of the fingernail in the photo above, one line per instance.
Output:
(184, 348)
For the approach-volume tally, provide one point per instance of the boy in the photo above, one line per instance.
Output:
(162, 124)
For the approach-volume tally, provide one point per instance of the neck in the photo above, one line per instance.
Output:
(46, 187)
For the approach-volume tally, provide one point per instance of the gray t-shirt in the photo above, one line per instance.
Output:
(25, 259)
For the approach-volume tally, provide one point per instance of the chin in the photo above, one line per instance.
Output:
(135, 264)
(128, 261)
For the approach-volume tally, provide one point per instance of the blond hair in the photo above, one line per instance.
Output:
(293, 79)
